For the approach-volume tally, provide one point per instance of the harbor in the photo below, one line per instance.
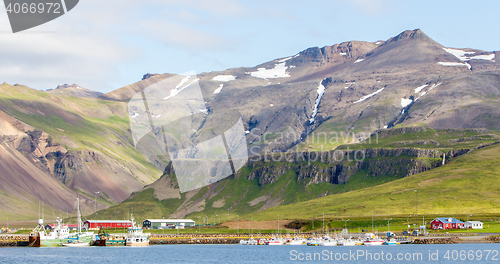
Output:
(21, 240)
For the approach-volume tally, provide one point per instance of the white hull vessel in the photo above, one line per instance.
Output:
(136, 237)
(328, 243)
(372, 240)
(76, 244)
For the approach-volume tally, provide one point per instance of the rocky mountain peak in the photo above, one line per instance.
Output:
(416, 34)
(148, 75)
(66, 86)
(74, 90)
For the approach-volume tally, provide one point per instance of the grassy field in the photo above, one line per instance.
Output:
(324, 139)
(431, 139)
(438, 187)
(467, 185)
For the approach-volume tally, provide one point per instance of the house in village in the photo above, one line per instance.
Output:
(447, 223)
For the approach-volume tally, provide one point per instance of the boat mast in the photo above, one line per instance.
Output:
(78, 215)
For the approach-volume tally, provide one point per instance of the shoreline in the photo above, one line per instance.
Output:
(21, 240)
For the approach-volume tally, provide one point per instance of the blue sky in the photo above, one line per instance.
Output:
(103, 45)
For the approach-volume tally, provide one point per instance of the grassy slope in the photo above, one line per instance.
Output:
(78, 124)
(237, 193)
(89, 123)
(328, 137)
(467, 184)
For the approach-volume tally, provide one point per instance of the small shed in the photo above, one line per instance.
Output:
(474, 224)
(167, 223)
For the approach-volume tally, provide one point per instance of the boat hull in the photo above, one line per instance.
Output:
(138, 244)
(374, 243)
(76, 244)
(34, 241)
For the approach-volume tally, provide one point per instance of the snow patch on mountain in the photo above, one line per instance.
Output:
(279, 71)
(455, 64)
(405, 102)
(224, 78)
(461, 55)
(489, 57)
(183, 81)
(176, 90)
(321, 91)
(418, 89)
(218, 89)
(368, 96)
(430, 89)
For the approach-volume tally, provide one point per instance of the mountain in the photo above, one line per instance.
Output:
(56, 147)
(74, 90)
(126, 92)
(367, 86)
(286, 179)
(313, 102)
(328, 98)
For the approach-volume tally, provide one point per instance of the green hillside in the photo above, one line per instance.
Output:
(468, 184)
(80, 144)
(297, 196)
(76, 122)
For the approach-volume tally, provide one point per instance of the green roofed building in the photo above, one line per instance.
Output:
(167, 223)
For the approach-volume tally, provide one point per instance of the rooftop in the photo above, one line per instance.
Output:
(450, 220)
(109, 221)
(169, 220)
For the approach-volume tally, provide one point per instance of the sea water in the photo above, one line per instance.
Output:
(450, 253)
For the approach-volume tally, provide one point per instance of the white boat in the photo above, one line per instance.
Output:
(296, 241)
(313, 242)
(250, 242)
(391, 241)
(59, 235)
(328, 241)
(347, 242)
(275, 241)
(135, 236)
(76, 244)
(372, 240)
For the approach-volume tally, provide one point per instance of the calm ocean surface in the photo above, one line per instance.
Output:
(461, 253)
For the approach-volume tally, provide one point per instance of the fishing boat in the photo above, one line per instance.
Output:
(250, 242)
(275, 241)
(372, 240)
(79, 238)
(40, 237)
(313, 242)
(135, 236)
(76, 244)
(328, 241)
(359, 242)
(391, 241)
(347, 242)
(296, 241)
(59, 235)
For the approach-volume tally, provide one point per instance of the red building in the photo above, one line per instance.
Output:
(93, 224)
(447, 223)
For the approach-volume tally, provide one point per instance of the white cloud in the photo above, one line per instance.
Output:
(94, 42)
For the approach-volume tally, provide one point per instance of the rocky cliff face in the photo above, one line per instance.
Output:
(336, 167)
